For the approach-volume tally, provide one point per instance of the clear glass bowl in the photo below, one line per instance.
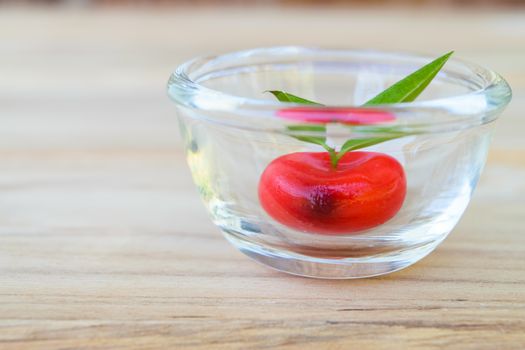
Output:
(233, 130)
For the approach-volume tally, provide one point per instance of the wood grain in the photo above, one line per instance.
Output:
(104, 243)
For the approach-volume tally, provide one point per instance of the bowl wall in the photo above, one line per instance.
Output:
(229, 146)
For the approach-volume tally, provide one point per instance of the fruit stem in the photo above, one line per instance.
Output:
(333, 155)
(333, 158)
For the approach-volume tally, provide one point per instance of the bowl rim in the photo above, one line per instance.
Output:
(188, 92)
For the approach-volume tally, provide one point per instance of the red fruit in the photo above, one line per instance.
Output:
(352, 116)
(303, 191)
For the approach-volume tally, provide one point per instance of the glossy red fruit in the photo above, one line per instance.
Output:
(303, 191)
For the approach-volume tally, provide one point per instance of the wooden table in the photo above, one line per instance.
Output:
(104, 243)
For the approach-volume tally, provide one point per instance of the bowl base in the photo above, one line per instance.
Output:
(343, 268)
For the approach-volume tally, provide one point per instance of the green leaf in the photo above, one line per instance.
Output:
(381, 129)
(409, 88)
(314, 128)
(405, 90)
(354, 144)
(318, 140)
(287, 97)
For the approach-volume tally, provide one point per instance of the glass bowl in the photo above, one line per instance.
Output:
(233, 131)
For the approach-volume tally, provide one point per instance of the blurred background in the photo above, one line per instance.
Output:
(83, 107)
(274, 2)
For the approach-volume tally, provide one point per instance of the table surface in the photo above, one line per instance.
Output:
(104, 243)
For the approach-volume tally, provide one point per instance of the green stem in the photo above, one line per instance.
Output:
(333, 155)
